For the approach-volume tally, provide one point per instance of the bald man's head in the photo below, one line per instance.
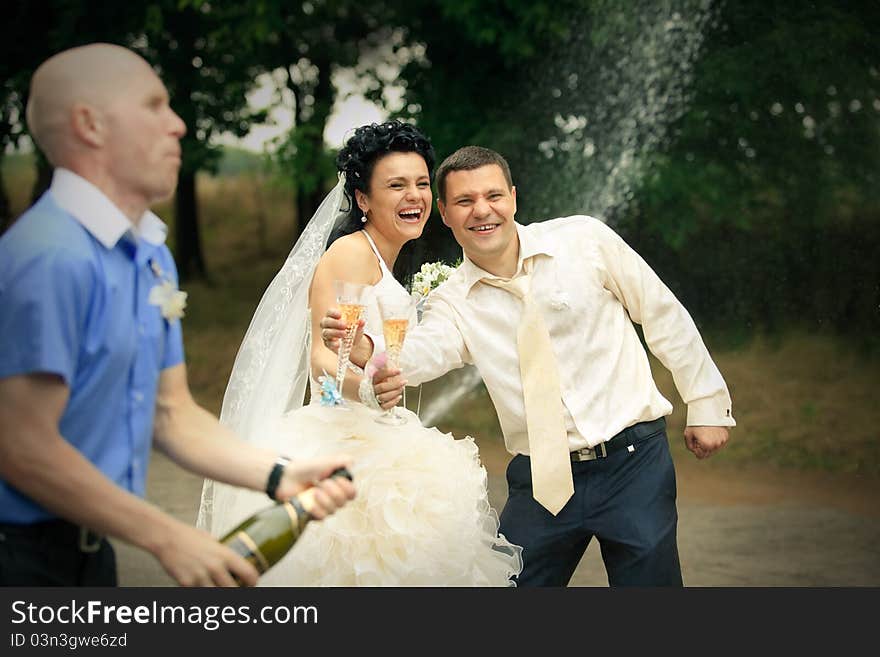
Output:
(103, 113)
(92, 76)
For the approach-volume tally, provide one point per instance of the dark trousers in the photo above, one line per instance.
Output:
(54, 553)
(626, 500)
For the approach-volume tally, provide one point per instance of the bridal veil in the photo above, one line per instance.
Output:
(272, 367)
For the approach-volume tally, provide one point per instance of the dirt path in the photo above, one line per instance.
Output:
(737, 527)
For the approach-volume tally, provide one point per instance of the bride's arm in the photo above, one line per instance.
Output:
(348, 259)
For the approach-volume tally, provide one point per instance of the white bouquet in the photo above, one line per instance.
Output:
(426, 279)
(430, 276)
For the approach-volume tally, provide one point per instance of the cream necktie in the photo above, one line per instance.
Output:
(552, 484)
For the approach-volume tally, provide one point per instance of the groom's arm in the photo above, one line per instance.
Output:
(431, 349)
(434, 347)
(672, 336)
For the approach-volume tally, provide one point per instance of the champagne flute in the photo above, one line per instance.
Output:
(396, 312)
(351, 298)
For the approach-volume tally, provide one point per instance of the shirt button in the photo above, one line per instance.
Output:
(142, 329)
(137, 396)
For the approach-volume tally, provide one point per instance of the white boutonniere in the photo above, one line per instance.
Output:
(171, 301)
(559, 300)
(426, 279)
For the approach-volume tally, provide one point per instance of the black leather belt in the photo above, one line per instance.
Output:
(58, 531)
(626, 439)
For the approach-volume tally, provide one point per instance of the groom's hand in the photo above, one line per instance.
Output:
(704, 441)
(388, 384)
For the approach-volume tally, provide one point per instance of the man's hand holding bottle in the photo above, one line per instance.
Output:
(306, 490)
(330, 492)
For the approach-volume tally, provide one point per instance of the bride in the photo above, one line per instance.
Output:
(421, 516)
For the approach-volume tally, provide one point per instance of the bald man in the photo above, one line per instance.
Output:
(92, 367)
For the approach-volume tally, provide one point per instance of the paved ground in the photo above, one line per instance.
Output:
(737, 527)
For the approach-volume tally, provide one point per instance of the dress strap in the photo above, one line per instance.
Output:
(376, 251)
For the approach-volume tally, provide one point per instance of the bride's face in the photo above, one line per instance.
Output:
(399, 199)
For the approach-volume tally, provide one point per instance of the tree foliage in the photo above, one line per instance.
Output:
(207, 54)
(32, 31)
(204, 53)
(307, 43)
(764, 210)
(756, 199)
(746, 134)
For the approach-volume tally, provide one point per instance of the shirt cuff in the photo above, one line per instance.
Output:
(711, 412)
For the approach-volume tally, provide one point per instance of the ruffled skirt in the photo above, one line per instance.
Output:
(421, 516)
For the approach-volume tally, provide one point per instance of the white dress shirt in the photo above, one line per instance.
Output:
(97, 213)
(591, 287)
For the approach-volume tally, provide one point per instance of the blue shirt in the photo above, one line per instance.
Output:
(75, 278)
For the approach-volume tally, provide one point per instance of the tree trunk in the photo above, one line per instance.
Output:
(190, 263)
(44, 176)
(184, 25)
(307, 201)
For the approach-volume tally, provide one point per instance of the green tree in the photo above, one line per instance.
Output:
(752, 187)
(207, 55)
(204, 53)
(31, 31)
(465, 76)
(306, 44)
(764, 209)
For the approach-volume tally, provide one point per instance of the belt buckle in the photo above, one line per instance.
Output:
(590, 453)
(89, 542)
(584, 454)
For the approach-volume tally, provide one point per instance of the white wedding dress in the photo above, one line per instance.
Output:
(421, 516)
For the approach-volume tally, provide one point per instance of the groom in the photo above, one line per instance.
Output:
(92, 371)
(545, 312)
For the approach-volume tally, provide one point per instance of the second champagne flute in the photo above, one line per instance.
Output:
(351, 298)
(396, 313)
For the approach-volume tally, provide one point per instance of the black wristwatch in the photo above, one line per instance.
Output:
(275, 476)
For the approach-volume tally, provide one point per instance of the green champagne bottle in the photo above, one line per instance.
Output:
(267, 535)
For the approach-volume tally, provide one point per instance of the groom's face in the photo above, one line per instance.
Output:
(479, 208)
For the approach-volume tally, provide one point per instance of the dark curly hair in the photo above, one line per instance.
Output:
(359, 155)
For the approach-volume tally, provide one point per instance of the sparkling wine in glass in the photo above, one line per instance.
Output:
(396, 313)
(351, 299)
